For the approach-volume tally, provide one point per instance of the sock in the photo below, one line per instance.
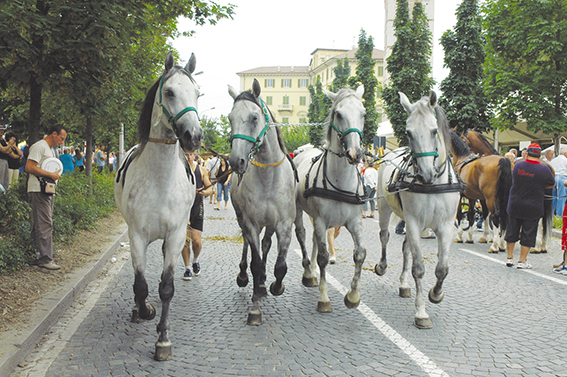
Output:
(196, 260)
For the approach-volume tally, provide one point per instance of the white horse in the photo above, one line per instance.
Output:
(430, 198)
(154, 191)
(262, 192)
(330, 190)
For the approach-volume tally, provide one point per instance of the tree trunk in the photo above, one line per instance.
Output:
(35, 110)
(89, 151)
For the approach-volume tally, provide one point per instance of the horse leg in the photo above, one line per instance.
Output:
(495, 247)
(421, 320)
(470, 218)
(459, 238)
(384, 214)
(539, 239)
(486, 230)
(320, 237)
(258, 275)
(309, 279)
(284, 239)
(266, 245)
(436, 293)
(170, 248)
(352, 298)
(142, 310)
(242, 277)
(405, 289)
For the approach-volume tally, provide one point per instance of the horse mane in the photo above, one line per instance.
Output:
(341, 94)
(443, 125)
(484, 140)
(249, 96)
(145, 119)
(460, 148)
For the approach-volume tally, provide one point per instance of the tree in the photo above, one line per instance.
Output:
(365, 75)
(408, 65)
(316, 113)
(526, 70)
(342, 73)
(81, 50)
(216, 133)
(463, 98)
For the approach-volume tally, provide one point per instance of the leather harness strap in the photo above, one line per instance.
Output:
(163, 141)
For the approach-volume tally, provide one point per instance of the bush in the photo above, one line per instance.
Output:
(78, 205)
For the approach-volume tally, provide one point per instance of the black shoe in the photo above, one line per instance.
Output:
(196, 268)
(187, 275)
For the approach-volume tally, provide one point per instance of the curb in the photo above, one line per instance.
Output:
(50, 309)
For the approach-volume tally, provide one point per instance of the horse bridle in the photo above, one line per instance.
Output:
(433, 154)
(170, 118)
(341, 135)
(255, 141)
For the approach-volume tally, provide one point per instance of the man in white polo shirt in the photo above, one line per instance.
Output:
(42, 204)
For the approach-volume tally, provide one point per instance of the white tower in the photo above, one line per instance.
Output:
(391, 6)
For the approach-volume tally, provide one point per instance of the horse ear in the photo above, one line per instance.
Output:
(256, 88)
(360, 92)
(232, 92)
(190, 67)
(405, 101)
(432, 99)
(169, 61)
(332, 96)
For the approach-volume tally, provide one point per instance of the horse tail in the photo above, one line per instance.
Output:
(547, 212)
(503, 190)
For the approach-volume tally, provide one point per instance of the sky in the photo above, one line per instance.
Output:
(271, 33)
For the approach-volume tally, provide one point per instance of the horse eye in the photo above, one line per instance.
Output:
(434, 132)
(339, 116)
(169, 93)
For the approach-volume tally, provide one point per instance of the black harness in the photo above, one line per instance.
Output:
(325, 192)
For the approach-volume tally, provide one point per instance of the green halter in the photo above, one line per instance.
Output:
(343, 134)
(255, 141)
(173, 119)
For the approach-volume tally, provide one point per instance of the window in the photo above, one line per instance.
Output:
(380, 71)
(286, 100)
(302, 83)
(269, 100)
(302, 101)
(285, 119)
(286, 83)
(269, 83)
(302, 120)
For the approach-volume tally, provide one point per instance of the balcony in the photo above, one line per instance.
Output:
(285, 107)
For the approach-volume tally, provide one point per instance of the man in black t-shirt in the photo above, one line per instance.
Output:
(525, 207)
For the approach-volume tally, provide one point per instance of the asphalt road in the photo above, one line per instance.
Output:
(493, 321)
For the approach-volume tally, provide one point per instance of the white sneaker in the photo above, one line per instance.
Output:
(509, 262)
(333, 259)
(524, 265)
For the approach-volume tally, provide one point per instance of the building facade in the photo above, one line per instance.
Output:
(286, 89)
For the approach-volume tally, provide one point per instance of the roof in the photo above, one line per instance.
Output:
(298, 70)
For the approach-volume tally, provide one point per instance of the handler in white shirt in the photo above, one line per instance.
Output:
(559, 164)
(370, 183)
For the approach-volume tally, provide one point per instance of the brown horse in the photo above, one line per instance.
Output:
(488, 178)
(478, 144)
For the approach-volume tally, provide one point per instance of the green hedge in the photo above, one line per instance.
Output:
(78, 205)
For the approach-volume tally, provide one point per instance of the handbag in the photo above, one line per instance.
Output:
(47, 185)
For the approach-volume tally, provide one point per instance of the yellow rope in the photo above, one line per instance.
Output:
(267, 165)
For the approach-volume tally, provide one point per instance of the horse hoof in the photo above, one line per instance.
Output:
(469, 241)
(242, 282)
(405, 292)
(503, 250)
(136, 317)
(254, 318)
(492, 251)
(423, 323)
(379, 270)
(349, 304)
(482, 240)
(543, 251)
(458, 241)
(435, 299)
(151, 311)
(309, 282)
(534, 251)
(163, 353)
(276, 292)
(324, 307)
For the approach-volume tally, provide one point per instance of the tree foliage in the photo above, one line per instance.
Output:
(92, 60)
(316, 113)
(365, 75)
(216, 133)
(526, 70)
(463, 98)
(408, 65)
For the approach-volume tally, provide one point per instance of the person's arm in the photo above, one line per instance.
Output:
(32, 168)
(207, 182)
(8, 148)
(228, 179)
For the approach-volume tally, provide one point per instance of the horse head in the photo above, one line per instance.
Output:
(347, 120)
(249, 122)
(426, 144)
(176, 101)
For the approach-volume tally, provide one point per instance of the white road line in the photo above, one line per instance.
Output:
(535, 273)
(406, 347)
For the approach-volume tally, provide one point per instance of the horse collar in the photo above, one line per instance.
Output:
(163, 141)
